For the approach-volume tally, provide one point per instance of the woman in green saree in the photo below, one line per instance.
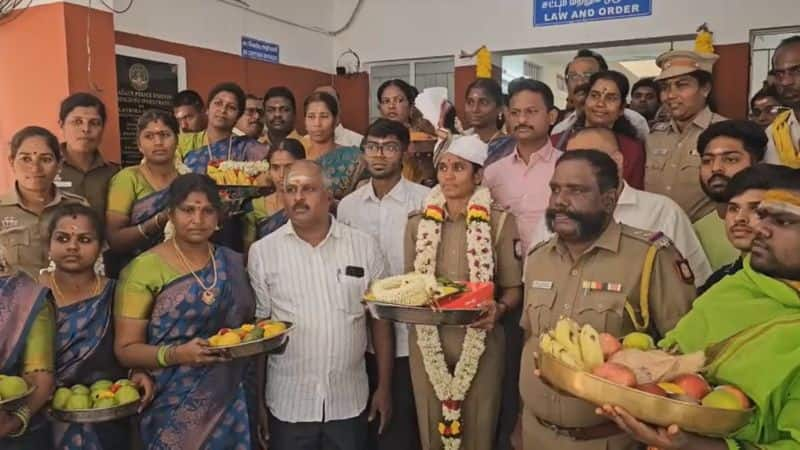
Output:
(343, 165)
(137, 195)
(749, 326)
(28, 329)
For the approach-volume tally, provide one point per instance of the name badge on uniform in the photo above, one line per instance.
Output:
(538, 284)
(660, 151)
(63, 184)
(601, 286)
(9, 222)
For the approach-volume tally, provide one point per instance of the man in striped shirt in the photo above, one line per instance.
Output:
(313, 272)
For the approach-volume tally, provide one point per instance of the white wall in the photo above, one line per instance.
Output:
(219, 26)
(391, 29)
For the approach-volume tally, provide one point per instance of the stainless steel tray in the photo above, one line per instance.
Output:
(267, 345)
(95, 415)
(13, 403)
(422, 315)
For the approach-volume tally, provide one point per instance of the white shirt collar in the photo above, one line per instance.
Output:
(628, 195)
(398, 192)
(335, 230)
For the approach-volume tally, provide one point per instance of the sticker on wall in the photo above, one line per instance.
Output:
(562, 12)
(260, 50)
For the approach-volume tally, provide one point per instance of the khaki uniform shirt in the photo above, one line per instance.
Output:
(451, 256)
(673, 164)
(23, 233)
(555, 287)
(91, 185)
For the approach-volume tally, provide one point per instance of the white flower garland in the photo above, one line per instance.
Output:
(452, 389)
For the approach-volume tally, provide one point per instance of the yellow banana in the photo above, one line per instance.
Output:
(546, 343)
(569, 359)
(591, 351)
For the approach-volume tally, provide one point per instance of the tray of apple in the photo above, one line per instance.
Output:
(13, 392)
(103, 401)
(426, 300)
(250, 339)
(652, 385)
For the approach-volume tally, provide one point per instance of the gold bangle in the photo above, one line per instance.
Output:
(24, 416)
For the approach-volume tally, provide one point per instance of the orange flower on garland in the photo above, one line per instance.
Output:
(434, 213)
(477, 213)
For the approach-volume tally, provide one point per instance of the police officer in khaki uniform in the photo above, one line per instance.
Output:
(673, 162)
(84, 172)
(459, 172)
(26, 210)
(592, 270)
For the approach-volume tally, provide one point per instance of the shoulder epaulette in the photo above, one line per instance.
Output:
(541, 244)
(660, 126)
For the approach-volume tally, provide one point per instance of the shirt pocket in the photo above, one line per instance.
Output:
(655, 162)
(539, 312)
(690, 169)
(602, 310)
(352, 291)
(16, 241)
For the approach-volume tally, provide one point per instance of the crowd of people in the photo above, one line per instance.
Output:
(632, 209)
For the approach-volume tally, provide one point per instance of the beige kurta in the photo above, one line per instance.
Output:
(554, 287)
(481, 407)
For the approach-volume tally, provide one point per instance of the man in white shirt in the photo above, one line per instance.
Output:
(640, 209)
(784, 133)
(341, 135)
(313, 272)
(381, 208)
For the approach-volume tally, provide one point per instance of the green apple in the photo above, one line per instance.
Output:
(12, 387)
(639, 341)
(101, 385)
(61, 397)
(126, 394)
(78, 401)
(105, 403)
(722, 399)
(124, 382)
(80, 389)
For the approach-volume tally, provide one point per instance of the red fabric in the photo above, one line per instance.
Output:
(633, 154)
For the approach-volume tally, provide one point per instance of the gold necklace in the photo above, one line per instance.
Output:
(60, 294)
(209, 293)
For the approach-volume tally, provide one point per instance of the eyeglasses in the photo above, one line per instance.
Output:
(574, 76)
(393, 101)
(254, 111)
(776, 109)
(373, 148)
(793, 72)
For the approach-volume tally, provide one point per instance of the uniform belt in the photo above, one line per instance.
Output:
(602, 431)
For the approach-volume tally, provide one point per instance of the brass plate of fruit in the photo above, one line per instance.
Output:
(259, 346)
(13, 403)
(95, 415)
(422, 315)
(650, 408)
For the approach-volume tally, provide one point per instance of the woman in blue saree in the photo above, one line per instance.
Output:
(84, 330)
(168, 301)
(26, 350)
(137, 195)
(344, 166)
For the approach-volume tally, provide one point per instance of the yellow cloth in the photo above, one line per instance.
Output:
(39, 354)
(710, 231)
(139, 284)
(782, 135)
(127, 186)
(293, 135)
(190, 141)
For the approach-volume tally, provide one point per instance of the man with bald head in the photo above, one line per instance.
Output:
(313, 272)
(341, 135)
(640, 209)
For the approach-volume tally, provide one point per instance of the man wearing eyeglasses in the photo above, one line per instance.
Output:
(765, 107)
(585, 64)
(381, 208)
(251, 123)
(784, 133)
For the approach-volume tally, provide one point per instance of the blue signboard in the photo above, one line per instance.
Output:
(561, 12)
(260, 50)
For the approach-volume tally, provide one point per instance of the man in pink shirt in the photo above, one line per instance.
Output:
(519, 181)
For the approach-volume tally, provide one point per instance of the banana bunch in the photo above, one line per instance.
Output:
(704, 41)
(575, 346)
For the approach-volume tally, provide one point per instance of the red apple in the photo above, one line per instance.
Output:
(745, 402)
(652, 388)
(609, 344)
(616, 373)
(693, 385)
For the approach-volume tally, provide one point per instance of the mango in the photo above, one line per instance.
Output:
(743, 400)
(693, 385)
(61, 397)
(722, 399)
(126, 394)
(101, 385)
(616, 373)
(78, 401)
(80, 389)
(609, 344)
(639, 341)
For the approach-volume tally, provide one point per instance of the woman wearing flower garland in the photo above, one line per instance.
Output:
(457, 371)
